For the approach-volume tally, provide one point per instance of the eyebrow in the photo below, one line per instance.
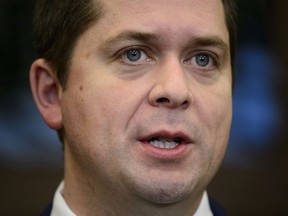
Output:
(194, 41)
(209, 41)
(129, 36)
(133, 35)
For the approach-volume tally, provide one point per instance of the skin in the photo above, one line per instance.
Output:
(113, 106)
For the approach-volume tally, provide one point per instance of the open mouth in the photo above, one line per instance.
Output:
(167, 145)
(162, 143)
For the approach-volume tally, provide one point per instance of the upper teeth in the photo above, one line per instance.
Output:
(164, 143)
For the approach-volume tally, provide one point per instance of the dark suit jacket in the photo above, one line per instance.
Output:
(215, 207)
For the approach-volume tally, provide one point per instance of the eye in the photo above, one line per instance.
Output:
(202, 60)
(135, 56)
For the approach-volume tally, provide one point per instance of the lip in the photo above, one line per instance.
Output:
(167, 154)
(185, 139)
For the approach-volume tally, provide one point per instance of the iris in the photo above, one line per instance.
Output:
(133, 55)
(202, 60)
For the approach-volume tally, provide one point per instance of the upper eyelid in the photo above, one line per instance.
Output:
(148, 51)
(126, 52)
(122, 51)
(212, 55)
(119, 56)
(205, 51)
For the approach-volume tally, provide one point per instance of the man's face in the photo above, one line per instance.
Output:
(147, 109)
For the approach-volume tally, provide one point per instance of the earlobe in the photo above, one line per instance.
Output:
(46, 91)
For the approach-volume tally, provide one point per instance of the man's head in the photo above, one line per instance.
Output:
(145, 102)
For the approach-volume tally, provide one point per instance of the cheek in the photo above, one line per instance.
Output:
(217, 120)
(220, 115)
(88, 126)
(223, 125)
(101, 107)
(216, 107)
(78, 116)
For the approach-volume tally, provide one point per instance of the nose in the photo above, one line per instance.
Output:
(171, 87)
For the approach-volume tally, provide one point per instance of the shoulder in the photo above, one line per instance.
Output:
(216, 208)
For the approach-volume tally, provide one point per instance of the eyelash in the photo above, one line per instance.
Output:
(213, 59)
(121, 55)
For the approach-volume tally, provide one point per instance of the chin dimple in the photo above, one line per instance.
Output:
(164, 143)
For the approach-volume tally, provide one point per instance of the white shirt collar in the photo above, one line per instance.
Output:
(204, 207)
(60, 207)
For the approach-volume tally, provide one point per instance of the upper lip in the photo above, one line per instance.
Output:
(169, 135)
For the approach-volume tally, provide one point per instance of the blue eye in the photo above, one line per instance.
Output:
(133, 55)
(202, 60)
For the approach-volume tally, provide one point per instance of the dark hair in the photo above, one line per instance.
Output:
(230, 10)
(57, 26)
(59, 23)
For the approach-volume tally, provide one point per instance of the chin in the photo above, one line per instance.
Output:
(164, 192)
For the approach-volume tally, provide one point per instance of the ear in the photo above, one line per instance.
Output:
(46, 91)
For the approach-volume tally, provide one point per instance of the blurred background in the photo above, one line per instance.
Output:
(253, 178)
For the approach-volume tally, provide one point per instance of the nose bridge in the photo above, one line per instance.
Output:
(171, 87)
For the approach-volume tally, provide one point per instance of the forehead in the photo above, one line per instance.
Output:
(140, 6)
(169, 16)
(174, 22)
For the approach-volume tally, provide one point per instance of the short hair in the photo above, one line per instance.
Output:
(59, 23)
(230, 12)
(57, 26)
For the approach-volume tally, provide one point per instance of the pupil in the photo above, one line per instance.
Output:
(134, 55)
(202, 60)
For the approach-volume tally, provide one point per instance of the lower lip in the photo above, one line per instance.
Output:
(174, 153)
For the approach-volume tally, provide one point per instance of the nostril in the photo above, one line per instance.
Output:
(185, 103)
(163, 100)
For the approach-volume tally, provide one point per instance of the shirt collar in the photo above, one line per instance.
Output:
(204, 207)
(60, 206)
